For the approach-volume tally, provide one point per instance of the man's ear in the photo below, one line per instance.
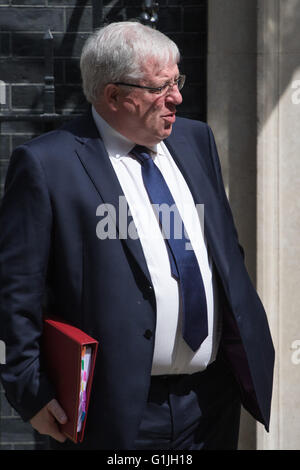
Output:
(112, 96)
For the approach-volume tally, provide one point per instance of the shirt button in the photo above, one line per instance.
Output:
(148, 334)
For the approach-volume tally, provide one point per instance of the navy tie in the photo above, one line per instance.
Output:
(184, 265)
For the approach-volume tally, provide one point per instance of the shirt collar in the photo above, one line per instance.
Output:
(116, 144)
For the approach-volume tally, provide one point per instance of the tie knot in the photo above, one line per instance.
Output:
(141, 153)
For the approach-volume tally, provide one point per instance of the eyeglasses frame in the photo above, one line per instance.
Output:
(157, 90)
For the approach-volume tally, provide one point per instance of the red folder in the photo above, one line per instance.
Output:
(63, 347)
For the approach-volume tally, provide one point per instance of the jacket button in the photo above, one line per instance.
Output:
(148, 334)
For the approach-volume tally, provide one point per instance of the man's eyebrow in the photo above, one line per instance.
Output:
(171, 79)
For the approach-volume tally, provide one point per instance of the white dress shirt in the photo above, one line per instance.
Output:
(171, 353)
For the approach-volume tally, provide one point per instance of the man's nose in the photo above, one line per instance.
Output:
(174, 96)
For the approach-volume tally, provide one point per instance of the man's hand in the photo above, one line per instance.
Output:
(47, 419)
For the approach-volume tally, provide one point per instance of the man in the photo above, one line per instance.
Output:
(183, 337)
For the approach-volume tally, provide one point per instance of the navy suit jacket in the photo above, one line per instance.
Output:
(51, 258)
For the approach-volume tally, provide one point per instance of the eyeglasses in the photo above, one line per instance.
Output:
(167, 87)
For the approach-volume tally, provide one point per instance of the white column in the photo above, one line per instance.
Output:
(278, 182)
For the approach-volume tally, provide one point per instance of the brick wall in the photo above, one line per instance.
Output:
(23, 24)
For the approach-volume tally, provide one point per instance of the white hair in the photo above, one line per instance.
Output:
(117, 52)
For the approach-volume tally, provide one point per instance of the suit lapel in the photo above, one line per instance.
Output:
(195, 171)
(95, 160)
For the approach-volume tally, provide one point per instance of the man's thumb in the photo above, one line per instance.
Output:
(56, 410)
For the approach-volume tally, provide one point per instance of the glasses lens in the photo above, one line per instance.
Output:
(181, 81)
(168, 87)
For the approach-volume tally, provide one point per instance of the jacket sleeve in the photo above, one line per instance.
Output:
(25, 234)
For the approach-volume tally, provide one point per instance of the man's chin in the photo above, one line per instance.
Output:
(154, 139)
(167, 130)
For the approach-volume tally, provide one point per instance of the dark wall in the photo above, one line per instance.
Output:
(23, 24)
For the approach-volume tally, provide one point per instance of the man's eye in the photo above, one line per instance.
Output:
(156, 90)
(163, 87)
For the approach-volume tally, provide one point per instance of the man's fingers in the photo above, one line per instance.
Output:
(55, 433)
(47, 419)
(56, 410)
